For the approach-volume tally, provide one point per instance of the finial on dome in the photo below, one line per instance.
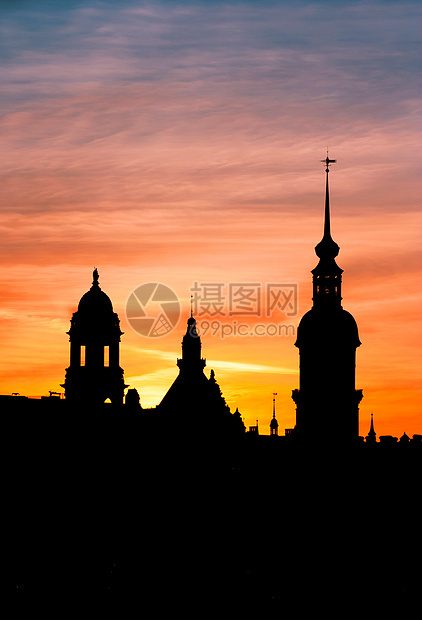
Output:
(191, 319)
(95, 277)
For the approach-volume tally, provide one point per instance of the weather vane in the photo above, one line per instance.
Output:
(327, 161)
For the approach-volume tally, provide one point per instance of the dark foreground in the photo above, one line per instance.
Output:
(119, 508)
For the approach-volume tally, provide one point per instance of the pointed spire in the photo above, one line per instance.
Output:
(274, 423)
(327, 223)
(327, 274)
(327, 247)
(372, 436)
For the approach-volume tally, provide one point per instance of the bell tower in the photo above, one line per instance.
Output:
(94, 374)
(327, 339)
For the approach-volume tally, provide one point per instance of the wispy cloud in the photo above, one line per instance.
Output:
(222, 364)
(241, 367)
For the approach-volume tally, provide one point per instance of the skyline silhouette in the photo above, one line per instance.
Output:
(327, 403)
(145, 154)
(176, 503)
(218, 418)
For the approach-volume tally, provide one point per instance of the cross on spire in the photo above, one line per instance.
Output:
(327, 161)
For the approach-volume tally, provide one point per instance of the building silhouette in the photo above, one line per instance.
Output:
(327, 402)
(191, 380)
(194, 404)
(173, 504)
(94, 374)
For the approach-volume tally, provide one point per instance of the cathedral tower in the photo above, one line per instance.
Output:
(327, 337)
(94, 374)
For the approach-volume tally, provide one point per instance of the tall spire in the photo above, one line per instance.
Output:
(327, 247)
(327, 230)
(327, 274)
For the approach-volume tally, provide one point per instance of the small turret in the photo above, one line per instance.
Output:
(371, 437)
(274, 423)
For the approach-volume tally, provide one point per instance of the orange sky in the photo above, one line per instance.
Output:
(175, 145)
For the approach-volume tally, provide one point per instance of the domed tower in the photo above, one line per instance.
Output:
(94, 373)
(327, 338)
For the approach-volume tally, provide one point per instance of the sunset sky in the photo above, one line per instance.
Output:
(180, 142)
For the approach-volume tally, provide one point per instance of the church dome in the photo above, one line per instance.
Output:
(95, 301)
(327, 328)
